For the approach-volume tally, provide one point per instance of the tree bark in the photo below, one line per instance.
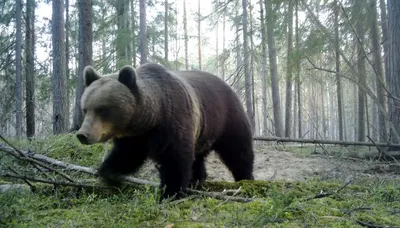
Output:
(85, 55)
(394, 60)
(30, 68)
(18, 70)
(143, 36)
(274, 70)
(288, 110)
(264, 71)
(60, 118)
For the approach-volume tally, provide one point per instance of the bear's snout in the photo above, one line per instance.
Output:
(82, 138)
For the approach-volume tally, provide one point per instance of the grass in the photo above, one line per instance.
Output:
(278, 204)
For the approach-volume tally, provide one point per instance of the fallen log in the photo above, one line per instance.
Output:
(320, 141)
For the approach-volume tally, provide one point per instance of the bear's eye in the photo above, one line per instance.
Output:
(84, 111)
(103, 112)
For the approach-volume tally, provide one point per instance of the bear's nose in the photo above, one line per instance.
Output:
(82, 138)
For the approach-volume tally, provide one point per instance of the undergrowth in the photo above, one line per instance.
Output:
(277, 204)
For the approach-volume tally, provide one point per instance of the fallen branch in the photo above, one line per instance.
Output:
(46, 181)
(21, 156)
(370, 225)
(91, 171)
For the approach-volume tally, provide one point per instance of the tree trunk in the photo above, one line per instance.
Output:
(298, 59)
(223, 47)
(133, 29)
(274, 70)
(288, 110)
(247, 78)
(361, 70)
(380, 81)
(216, 50)
(122, 41)
(143, 36)
(394, 60)
(18, 82)
(67, 29)
(199, 34)
(338, 80)
(385, 38)
(30, 68)
(166, 31)
(60, 118)
(264, 71)
(186, 36)
(85, 55)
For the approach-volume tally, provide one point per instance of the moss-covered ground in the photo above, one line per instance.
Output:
(375, 201)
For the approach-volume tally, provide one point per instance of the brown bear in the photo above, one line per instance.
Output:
(175, 118)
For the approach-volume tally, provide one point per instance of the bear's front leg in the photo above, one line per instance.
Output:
(175, 172)
(126, 157)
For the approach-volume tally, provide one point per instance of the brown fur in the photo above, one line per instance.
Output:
(175, 118)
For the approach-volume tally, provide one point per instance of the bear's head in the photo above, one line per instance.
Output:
(108, 103)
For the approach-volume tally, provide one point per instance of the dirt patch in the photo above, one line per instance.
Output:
(273, 164)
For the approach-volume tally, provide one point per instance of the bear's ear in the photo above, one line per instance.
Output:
(90, 75)
(127, 76)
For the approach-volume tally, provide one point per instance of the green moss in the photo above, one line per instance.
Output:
(278, 204)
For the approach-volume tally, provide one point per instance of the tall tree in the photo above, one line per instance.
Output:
(385, 37)
(166, 31)
(199, 33)
(122, 41)
(133, 29)
(60, 117)
(247, 78)
(288, 114)
(264, 70)
(274, 70)
(143, 34)
(394, 60)
(30, 67)
(380, 80)
(359, 37)
(298, 59)
(85, 55)
(18, 70)
(338, 80)
(185, 36)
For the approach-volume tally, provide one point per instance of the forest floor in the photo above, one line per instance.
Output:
(296, 186)
(299, 163)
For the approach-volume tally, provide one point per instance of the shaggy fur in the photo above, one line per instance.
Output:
(174, 118)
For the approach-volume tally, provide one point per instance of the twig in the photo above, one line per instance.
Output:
(11, 151)
(322, 195)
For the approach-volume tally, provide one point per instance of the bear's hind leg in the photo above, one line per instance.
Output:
(199, 173)
(126, 157)
(237, 154)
